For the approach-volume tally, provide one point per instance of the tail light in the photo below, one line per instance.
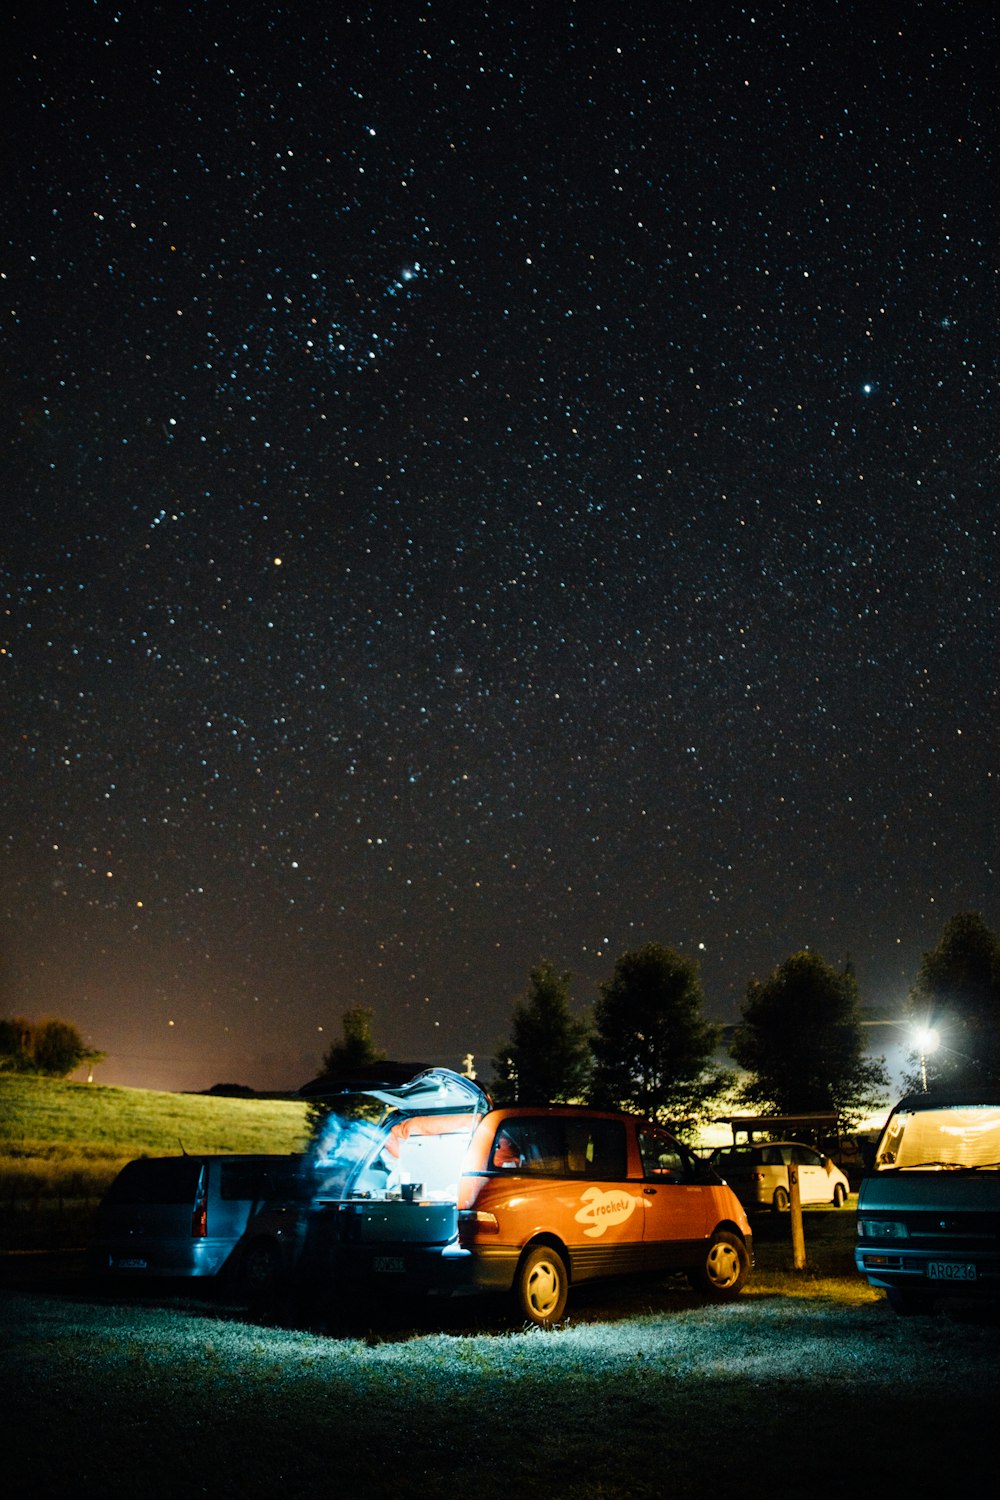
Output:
(199, 1218)
(473, 1221)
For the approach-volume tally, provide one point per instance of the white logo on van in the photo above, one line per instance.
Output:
(601, 1210)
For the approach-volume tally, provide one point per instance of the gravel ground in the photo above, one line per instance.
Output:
(645, 1392)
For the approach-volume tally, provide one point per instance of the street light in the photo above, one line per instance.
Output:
(927, 1040)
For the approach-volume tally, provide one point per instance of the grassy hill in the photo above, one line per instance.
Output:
(62, 1143)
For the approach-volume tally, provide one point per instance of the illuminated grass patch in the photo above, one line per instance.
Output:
(608, 1407)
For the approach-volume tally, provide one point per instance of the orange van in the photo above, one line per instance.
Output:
(449, 1194)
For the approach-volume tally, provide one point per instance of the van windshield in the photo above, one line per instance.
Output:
(941, 1138)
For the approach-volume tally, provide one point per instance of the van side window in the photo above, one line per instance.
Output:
(596, 1148)
(241, 1181)
(806, 1156)
(562, 1147)
(663, 1159)
(529, 1145)
(163, 1179)
(238, 1180)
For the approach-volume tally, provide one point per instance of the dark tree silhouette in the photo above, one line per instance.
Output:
(547, 1059)
(651, 1047)
(802, 1043)
(355, 1051)
(357, 1048)
(956, 999)
(52, 1047)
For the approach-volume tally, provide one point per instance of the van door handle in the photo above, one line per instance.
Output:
(651, 1192)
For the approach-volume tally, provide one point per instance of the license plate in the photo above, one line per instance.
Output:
(951, 1270)
(132, 1263)
(391, 1263)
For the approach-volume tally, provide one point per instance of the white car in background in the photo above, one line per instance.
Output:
(758, 1174)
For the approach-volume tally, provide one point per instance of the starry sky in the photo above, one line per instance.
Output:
(487, 483)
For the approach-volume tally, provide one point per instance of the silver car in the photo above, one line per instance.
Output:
(184, 1215)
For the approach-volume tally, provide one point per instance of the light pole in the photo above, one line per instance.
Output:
(927, 1040)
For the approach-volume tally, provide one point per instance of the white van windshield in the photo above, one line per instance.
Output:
(941, 1138)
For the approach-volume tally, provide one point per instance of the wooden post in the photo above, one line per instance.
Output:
(795, 1213)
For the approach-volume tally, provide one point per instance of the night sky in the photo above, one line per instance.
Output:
(484, 483)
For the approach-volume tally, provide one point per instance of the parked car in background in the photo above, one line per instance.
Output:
(929, 1208)
(758, 1174)
(446, 1194)
(185, 1215)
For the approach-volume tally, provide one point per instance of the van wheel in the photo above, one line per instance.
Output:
(260, 1271)
(541, 1286)
(724, 1270)
(839, 1195)
(780, 1201)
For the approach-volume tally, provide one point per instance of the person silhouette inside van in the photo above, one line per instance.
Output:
(505, 1153)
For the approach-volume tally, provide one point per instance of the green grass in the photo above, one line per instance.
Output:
(807, 1383)
(787, 1391)
(43, 1117)
(61, 1144)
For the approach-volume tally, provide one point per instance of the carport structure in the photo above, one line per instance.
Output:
(817, 1129)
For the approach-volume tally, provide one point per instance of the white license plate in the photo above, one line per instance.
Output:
(132, 1263)
(391, 1263)
(951, 1270)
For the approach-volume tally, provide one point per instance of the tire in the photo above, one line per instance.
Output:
(724, 1268)
(907, 1304)
(839, 1195)
(260, 1269)
(541, 1286)
(780, 1201)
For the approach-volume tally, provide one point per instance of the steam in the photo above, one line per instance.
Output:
(342, 1145)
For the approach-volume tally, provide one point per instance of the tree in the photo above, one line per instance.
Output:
(802, 1043)
(52, 1047)
(356, 1050)
(58, 1048)
(651, 1046)
(15, 1044)
(547, 1060)
(957, 998)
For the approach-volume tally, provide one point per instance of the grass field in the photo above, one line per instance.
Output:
(806, 1384)
(61, 1144)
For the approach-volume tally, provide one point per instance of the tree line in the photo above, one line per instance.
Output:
(52, 1048)
(646, 1046)
(799, 1044)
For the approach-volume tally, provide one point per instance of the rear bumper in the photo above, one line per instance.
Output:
(169, 1259)
(441, 1270)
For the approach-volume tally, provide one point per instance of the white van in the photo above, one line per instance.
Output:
(758, 1174)
(929, 1209)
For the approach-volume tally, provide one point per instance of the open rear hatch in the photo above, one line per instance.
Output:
(404, 1190)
